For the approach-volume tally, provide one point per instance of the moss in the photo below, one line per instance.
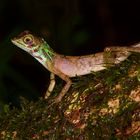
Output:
(102, 105)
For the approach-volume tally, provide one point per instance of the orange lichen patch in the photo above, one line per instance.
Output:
(81, 125)
(132, 71)
(135, 94)
(117, 87)
(113, 105)
(35, 136)
(73, 116)
(103, 111)
(14, 134)
(45, 133)
(3, 134)
(135, 128)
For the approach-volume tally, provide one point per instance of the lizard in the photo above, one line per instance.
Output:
(66, 67)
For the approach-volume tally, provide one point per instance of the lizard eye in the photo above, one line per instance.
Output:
(28, 40)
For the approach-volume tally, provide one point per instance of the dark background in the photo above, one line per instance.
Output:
(71, 27)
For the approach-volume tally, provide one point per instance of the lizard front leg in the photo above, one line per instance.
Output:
(51, 86)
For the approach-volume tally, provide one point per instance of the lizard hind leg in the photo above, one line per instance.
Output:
(65, 88)
(51, 86)
(117, 54)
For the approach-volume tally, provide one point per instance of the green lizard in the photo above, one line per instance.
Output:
(69, 66)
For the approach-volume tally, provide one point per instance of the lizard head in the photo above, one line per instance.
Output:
(34, 45)
(28, 42)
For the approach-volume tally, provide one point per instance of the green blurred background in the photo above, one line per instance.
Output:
(71, 27)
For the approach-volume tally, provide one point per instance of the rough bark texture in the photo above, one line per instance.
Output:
(103, 105)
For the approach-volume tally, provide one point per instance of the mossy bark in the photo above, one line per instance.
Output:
(103, 105)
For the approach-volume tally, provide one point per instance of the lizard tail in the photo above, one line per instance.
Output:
(136, 45)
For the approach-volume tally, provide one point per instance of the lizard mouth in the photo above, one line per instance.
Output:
(18, 44)
(15, 42)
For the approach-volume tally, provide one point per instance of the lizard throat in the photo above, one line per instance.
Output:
(42, 59)
(43, 54)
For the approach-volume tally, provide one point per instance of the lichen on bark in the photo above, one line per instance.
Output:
(102, 105)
